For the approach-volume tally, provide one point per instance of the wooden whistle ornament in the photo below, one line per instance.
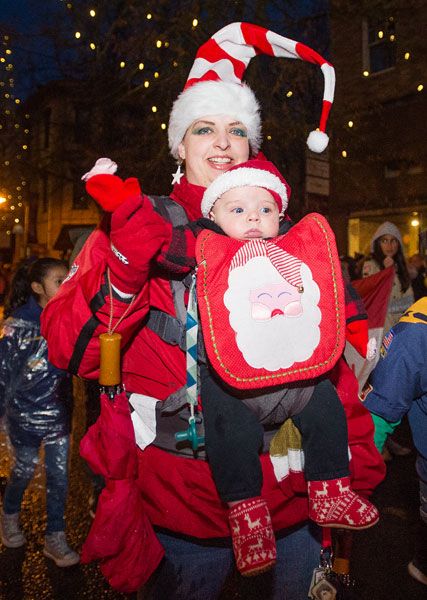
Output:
(109, 368)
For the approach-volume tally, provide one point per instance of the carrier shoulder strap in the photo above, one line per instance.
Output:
(171, 329)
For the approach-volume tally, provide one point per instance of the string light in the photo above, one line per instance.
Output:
(92, 46)
(77, 34)
(122, 64)
(159, 43)
(195, 22)
(381, 34)
(420, 87)
(269, 138)
(141, 66)
(149, 16)
(407, 56)
(344, 153)
(154, 109)
(156, 75)
(163, 125)
(146, 84)
(92, 13)
(365, 73)
(350, 123)
(289, 94)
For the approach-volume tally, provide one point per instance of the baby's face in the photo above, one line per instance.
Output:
(245, 213)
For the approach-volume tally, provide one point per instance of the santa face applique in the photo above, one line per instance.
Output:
(277, 299)
(276, 323)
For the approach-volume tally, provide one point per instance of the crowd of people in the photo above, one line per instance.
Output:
(232, 503)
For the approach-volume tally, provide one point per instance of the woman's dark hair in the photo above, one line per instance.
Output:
(20, 287)
(402, 270)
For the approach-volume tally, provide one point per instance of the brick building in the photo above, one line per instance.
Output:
(378, 156)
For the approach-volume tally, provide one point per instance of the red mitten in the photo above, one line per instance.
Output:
(108, 190)
(137, 235)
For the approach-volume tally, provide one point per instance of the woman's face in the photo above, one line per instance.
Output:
(389, 245)
(212, 145)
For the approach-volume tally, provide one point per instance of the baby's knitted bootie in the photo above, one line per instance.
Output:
(252, 534)
(333, 503)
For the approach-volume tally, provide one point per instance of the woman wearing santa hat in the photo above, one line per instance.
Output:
(214, 125)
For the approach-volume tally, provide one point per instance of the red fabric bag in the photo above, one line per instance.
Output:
(121, 536)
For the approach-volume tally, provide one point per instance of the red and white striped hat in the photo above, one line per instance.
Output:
(252, 173)
(287, 265)
(214, 85)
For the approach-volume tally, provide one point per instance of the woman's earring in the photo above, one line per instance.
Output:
(178, 174)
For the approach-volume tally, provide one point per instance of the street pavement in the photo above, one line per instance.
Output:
(379, 560)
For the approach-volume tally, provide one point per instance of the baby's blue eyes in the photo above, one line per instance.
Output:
(265, 210)
(237, 210)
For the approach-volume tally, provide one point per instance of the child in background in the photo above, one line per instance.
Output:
(36, 396)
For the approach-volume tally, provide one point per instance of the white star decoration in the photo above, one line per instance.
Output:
(177, 175)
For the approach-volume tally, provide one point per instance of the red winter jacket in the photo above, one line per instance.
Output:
(178, 493)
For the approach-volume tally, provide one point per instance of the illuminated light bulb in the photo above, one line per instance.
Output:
(195, 22)
(6, 162)
(141, 66)
(8, 232)
(149, 16)
(166, 44)
(163, 125)
(17, 101)
(289, 94)
(8, 51)
(420, 87)
(2, 200)
(392, 37)
(19, 204)
(156, 75)
(415, 222)
(26, 131)
(12, 207)
(154, 109)
(92, 13)
(7, 95)
(269, 137)
(175, 64)
(25, 147)
(77, 34)
(407, 56)
(16, 125)
(350, 123)
(122, 64)
(2, 59)
(159, 43)
(16, 220)
(27, 116)
(381, 34)
(92, 46)
(146, 84)
(344, 153)
(365, 73)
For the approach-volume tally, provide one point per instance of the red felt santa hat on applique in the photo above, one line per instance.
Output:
(253, 173)
(287, 265)
(214, 85)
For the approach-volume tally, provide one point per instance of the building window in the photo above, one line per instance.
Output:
(379, 44)
(80, 200)
(47, 114)
(45, 192)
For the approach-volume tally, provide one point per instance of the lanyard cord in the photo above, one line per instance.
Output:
(111, 329)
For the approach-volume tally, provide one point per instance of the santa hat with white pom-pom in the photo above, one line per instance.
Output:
(215, 86)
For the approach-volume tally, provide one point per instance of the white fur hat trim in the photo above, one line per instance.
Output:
(245, 176)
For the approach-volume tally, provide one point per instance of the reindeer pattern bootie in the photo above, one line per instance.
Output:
(333, 503)
(252, 535)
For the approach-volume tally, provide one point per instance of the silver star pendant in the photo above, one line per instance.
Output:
(177, 175)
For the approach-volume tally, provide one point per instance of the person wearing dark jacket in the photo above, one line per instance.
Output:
(36, 399)
(398, 387)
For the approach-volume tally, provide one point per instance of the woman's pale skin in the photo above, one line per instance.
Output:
(246, 213)
(211, 146)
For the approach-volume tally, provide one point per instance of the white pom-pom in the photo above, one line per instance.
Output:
(103, 166)
(371, 350)
(317, 141)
